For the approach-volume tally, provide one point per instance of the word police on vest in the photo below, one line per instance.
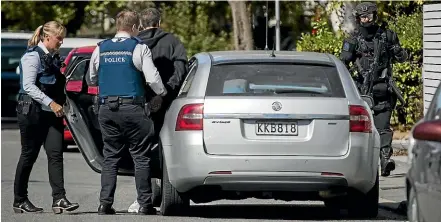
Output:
(114, 60)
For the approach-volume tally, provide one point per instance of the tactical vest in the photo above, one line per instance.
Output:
(49, 79)
(117, 75)
(365, 51)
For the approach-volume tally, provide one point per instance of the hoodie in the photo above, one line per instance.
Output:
(169, 57)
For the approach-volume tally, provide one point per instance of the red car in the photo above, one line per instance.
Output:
(76, 68)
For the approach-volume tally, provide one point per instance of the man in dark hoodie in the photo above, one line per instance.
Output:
(170, 58)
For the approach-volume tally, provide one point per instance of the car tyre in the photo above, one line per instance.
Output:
(156, 191)
(364, 205)
(173, 203)
(413, 210)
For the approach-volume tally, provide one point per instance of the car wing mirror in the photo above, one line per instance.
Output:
(428, 130)
(369, 100)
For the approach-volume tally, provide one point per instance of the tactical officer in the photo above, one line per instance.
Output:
(122, 64)
(40, 116)
(372, 50)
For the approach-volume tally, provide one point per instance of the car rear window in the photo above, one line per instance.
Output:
(274, 79)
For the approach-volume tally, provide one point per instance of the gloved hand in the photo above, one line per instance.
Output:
(155, 103)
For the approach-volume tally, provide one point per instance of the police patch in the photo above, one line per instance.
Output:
(346, 47)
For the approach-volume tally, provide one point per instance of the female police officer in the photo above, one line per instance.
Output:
(40, 114)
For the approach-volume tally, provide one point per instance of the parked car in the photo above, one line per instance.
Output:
(423, 180)
(246, 124)
(11, 55)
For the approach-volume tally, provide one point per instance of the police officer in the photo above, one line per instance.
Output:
(39, 113)
(372, 50)
(119, 64)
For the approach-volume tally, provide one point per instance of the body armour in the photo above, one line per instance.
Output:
(49, 80)
(117, 75)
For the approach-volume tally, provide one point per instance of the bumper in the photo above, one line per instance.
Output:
(189, 167)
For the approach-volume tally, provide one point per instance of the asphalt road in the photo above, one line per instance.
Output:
(83, 185)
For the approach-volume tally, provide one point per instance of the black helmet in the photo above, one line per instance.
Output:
(366, 9)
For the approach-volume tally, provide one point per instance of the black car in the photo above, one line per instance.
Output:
(423, 180)
(11, 55)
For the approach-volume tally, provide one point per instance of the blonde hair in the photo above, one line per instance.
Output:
(126, 19)
(51, 27)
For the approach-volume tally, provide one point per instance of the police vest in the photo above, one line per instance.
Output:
(49, 79)
(117, 75)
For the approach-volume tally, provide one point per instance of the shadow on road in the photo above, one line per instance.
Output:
(272, 212)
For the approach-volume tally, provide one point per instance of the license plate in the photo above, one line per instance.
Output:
(277, 128)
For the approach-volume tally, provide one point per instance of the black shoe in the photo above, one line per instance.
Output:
(106, 209)
(26, 207)
(387, 167)
(63, 204)
(147, 210)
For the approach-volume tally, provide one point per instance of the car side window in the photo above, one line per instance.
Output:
(189, 79)
(80, 69)
(434, 111)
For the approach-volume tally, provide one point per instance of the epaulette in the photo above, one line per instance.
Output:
(136, 39)
(99, 43)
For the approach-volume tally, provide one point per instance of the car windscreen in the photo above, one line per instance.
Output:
(274, 79)
(8, 41)
(11, 58)
(64, 51)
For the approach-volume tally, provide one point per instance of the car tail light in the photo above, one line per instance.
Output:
(93, 90)
(359, 119)
(190, 117)
(74, 86)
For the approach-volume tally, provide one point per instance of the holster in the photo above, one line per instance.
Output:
(24, 104)
(96, 105)
(113, 102)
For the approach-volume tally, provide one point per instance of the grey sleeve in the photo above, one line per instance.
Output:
(30, 64)
(142, 59)
(93, 66)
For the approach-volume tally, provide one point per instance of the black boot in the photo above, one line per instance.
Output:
(25, 207)
(387, 165)
(106, 209)
(147, 210)
(63, 204)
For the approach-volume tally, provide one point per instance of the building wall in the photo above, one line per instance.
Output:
(431, 51)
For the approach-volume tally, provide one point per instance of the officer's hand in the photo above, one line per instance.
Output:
(57, 109)
(155, 103)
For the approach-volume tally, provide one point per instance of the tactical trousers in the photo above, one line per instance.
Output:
(382, 123)
(126, 127)
(38, 128)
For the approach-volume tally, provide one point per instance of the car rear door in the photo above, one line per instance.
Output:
(307, 116)
(82, 119)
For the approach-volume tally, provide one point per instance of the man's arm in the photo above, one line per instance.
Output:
(394, 47)
(180, 62)
(142, 59)
(93, 67)
(348, 51)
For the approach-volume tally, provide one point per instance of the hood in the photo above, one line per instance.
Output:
(151, 36)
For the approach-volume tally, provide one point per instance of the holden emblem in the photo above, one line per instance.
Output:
(277, 106)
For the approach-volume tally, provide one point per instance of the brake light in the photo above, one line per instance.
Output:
(359, 119)
(93, 90)
(74, 86)
(190, 117)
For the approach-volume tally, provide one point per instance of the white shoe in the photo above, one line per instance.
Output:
(134, 207)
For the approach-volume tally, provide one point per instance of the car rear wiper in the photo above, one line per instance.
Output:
(282, 91)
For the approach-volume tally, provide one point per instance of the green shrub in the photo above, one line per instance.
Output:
(407, 75)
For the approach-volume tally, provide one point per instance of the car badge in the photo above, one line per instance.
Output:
(277, 106)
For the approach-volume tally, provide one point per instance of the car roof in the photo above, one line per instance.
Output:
(67, 43)
(85, 49)
(264, 56)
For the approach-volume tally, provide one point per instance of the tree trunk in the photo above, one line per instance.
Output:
(243, 37)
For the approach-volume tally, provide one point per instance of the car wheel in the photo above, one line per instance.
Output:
(413, 211)
(364, 205)
(173, 203)
(156, 190)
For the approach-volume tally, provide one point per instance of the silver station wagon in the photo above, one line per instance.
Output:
(250, 124)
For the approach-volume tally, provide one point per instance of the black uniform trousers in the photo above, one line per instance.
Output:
(127, 127)
(37, 128)
(382, 115)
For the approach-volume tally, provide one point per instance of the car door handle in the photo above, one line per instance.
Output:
(435, 151)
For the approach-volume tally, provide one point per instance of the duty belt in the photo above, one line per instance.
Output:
(124, 100)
